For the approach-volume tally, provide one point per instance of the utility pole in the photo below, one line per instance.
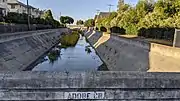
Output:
(28, 15)
(110, 7)
(60, 14)
(97, 11)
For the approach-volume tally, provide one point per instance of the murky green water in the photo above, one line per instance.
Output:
(82, 57)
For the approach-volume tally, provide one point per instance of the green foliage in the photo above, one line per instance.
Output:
(89, 23)
(119, 30)
(66, 20)
(48, 15)
(147, 14)
(70, 39)
(16, 18)
(163, 33)
(53, 55)
(47, 19)
(80, 22)
(103, 29)
(106, 22)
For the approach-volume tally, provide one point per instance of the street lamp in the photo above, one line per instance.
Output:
(28, 15)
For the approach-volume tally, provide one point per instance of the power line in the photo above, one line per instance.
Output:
(110, 5)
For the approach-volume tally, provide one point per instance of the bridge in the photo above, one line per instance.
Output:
(134, 66)
(48, 86)
(76, 26)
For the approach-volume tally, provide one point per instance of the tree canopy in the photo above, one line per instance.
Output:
(66, 20)
(48, 17)
(144, 15)
(89, 23)
(79, 22)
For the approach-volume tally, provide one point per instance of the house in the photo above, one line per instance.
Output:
(3, 7)
(101, 15)
(16, 6)
(19, 7)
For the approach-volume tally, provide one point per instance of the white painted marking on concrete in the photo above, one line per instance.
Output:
(84, 95)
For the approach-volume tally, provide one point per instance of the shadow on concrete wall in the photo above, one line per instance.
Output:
(121, 54)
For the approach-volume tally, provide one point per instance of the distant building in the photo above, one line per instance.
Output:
(101, 15)
(41, 12)
(16, 6)
(19, 7)
(3, 8)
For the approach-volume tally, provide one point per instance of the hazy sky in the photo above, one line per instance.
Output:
(78, 9)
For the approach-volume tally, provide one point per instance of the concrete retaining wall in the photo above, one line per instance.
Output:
(19, 50)
(126, 86)
(9, 28)
(123, 54)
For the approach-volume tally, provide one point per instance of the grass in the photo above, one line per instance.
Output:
(69, 40)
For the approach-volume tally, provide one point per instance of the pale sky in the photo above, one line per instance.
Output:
(78, 9)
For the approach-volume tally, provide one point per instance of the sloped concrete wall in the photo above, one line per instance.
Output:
(18, 50)
(123, 54)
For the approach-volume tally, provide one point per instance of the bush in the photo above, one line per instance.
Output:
(157, 33)
(119, 30)
(22, 19)
(131, 30)
(53, 55)
(97, 28)
(103, 29)
(89, 23)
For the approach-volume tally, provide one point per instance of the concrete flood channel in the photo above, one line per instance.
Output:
(81, 57)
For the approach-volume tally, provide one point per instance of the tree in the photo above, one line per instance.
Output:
(89, 23)
(155, 17)
(66, 20)
(48, 17)
(80, 22)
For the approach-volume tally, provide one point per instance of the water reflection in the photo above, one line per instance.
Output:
(88, 49)
(54, 55)
(81, 57)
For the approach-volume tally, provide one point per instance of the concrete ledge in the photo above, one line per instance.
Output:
(116, 85)
(128, 80)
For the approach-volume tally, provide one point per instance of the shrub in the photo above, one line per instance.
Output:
(53, 55)
(103, 29)
(157, 33)
(131, 29)
(119, 30)
(97, 28)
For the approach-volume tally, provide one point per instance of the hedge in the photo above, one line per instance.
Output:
(157, 33)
